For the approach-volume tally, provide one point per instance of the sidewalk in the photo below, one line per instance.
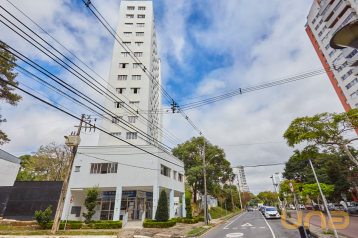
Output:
(350, 231)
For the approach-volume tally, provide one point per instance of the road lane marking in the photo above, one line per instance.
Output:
(273, 234)
(247, 224)
(233, 221)
(235, 235)
(253, 227)
(262, 227)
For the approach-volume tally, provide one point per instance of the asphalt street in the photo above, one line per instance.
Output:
(252, 224)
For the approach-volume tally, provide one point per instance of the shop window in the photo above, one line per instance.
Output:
(104, 168)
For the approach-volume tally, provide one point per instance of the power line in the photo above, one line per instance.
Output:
(260, 165)
(257, 143)
(148, 152)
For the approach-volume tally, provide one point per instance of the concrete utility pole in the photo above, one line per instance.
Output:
(205, 196)
(61, 201)
(232, 198)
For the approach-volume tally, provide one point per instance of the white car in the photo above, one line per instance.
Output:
(271, 212)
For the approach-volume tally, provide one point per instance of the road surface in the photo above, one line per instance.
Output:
(252, 224)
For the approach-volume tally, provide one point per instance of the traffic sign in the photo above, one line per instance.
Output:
(291, 187)
(72, 198)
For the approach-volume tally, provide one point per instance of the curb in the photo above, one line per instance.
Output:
(214, 226)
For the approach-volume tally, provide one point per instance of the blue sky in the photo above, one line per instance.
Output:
(205, 47)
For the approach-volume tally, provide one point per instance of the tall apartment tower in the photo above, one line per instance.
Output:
(134, 78)
(242, 184)
(324, 19)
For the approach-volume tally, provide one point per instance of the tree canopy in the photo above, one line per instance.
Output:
(6, 92)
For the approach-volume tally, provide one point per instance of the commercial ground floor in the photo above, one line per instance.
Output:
(136, 203)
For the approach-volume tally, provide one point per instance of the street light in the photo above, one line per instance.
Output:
(347, 36)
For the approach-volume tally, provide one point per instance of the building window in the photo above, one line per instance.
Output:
(344, 77)
(124, 54)
(345, 64)
(138, 54)
(116, 119)
(77, 168)
(116, 134)
(127, 43)
(327, 47)
(123, 66)
(128, 24)
(350, 72)
(118, 104)
(321, 21)
(326, 62)
(122, 77)
(313, 36)
(330, 54)
(316, 42)
(339, 69)
(165, 171)
(348, 86)
(314, 20)
(136, 77)
(140, 24)
(129, 16)
(130, 8)
(136, 65)
(353, 95)
(104, 168)
(175, 175)
(132, 119)
(135, 90)
(131, 135)
(334, 76)
(357, 105)
(139, 43)
(320, 33)
(139, 33)
(121, 90)
(352, 54)
(180, 177)
(322, 55)
(134, 104)
(127, 33)
(141, 16)
(316, 27)
(141, 8)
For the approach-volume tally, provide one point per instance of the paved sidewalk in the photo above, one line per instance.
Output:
(350, 231)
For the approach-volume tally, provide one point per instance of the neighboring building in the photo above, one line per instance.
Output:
(324, 19)
(129, 179)
(242, 184)
(9, 167)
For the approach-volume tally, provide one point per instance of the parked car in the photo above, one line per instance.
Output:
(353, 208)
(271, 212)
(301, 206)
(250, 209)
(262, 210)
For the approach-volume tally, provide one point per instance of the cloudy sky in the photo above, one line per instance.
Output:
(206, 47)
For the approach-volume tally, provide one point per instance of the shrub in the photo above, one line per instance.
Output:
(71, 221)
(201, 219)
(49, 225)
(75, 225)
(162, 213)
(108, 225)
(43, 217)
(289, 214)
(279, 211)
(90, 203)
(189, 221)
(188, 207)
(148, 223)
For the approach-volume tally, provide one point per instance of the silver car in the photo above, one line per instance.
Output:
(271, 212)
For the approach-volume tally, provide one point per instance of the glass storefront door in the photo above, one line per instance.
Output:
(107, 208)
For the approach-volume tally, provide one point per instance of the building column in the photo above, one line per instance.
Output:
(171, 203)
(183, 211)
(117, 204)
(155, 200)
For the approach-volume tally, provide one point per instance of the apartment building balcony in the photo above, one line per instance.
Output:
(329, 8)
(349, 16)
(355, 71)
(338, 12)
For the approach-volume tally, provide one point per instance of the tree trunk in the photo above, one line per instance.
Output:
(195, 193)
(349, 154)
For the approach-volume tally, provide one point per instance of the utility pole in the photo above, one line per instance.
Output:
(59, 170)
(57, 220)
(239, 190)
(205, 196)
(232, 198)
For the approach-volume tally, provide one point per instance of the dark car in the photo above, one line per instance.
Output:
(262, 209)
(250, 209)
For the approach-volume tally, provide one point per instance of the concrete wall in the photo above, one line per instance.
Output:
(8, 172)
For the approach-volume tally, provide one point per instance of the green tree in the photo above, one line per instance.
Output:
(312, 190)
(285, 191)
(254, 200)
(90, 203)
(162, 213)
(6, 91)
(217, 167)
(188, 208)
(24, 173)
(325, 129)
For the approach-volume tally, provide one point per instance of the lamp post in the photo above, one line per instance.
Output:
(205, 195)
(347, 36)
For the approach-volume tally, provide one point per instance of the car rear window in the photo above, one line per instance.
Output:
(270, 209)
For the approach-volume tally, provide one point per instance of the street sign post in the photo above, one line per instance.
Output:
(291, 187)
(304, 234)
(68, 211)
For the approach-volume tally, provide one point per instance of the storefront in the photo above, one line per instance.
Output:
(134, 202)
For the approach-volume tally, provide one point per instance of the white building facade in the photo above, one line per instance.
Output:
(9, 168)
(130, 179)
(241, 179)
(324, 19)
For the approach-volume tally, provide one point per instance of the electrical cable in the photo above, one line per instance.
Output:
(7, 82)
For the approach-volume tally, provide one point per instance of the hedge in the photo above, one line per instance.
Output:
(49, 225)
(71, 221)
(75, 225)
(148, 223)
(190, 221)
(108, 225)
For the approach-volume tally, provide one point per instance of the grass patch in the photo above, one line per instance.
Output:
(73, 233)
(217, 212)
(197, 230)
(328, 232)
(6, 227)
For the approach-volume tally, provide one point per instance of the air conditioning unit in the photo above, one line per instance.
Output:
(72, 140)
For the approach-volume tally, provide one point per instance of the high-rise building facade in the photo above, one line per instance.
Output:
(324, 19)
(134, 78)
(242, 184)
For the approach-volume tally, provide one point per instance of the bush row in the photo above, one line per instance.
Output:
(148, 223)
(62, 225)
(106, 225)
(188, 221)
